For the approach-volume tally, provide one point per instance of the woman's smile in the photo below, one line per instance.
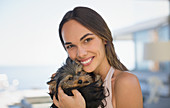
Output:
(86, 62)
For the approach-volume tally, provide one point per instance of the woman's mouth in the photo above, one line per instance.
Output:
(86, 62)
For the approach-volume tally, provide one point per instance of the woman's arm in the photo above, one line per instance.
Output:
(127, 91)
(65, 101)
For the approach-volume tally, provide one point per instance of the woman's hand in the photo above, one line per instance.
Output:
(65, 101)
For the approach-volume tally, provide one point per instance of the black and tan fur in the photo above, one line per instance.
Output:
(71, 76)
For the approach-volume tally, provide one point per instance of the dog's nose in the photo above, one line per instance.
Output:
(80, 81)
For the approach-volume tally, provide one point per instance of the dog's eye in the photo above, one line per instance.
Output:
(86, 82)
(70, 78)
(80, 81)
(78, 73)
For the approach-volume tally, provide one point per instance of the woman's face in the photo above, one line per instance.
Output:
(84, 46)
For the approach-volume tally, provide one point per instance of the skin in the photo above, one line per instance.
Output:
(84, 46)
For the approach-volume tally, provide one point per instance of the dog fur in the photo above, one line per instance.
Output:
(72, 76)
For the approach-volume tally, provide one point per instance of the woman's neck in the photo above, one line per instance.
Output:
(103, 70)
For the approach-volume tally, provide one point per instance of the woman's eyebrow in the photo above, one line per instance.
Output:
(85, 36)
(67, 43)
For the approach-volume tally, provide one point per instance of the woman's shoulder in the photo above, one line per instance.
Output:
(126, 80)
(127, 90)
(125, 77)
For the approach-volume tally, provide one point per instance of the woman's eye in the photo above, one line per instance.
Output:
(87, 40)
(70, 46)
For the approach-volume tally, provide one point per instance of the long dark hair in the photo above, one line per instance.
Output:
(95, 23)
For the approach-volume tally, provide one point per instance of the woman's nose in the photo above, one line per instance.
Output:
(81, 52)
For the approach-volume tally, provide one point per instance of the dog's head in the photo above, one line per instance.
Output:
(72, 76)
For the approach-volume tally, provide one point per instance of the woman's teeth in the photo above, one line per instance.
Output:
(87, 61)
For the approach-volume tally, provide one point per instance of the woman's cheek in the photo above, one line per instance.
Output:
(72, 55)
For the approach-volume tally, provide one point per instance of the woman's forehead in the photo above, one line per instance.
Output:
(73, 30)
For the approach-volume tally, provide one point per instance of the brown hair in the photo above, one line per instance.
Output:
(95, 23)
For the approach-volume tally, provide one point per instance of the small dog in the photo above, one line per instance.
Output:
(72, 76)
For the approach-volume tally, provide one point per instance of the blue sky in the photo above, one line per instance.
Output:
(28, 28)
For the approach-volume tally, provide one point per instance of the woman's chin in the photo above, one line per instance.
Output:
(88, 69)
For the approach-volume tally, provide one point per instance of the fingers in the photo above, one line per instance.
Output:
(55, 101)
(65, 101)
(76, 93)
(61, 95)
(61, 92)
(59, 102)
(79, 98)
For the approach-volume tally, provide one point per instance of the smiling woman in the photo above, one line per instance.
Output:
(83, 46)
(88, 41)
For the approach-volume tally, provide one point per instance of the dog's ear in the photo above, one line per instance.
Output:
(52, 86)
(69, 61)
(51, 82)
(75, 65)
(79, 68)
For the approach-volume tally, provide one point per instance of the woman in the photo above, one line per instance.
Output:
(88, 40)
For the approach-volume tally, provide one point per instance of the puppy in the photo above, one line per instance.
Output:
(72, 76)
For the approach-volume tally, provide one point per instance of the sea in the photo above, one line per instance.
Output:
(28, 77)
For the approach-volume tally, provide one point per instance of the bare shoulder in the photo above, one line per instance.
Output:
(126, 81)
(127, 90)
(127, 78)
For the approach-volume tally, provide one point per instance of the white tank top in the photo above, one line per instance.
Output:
(108, 85)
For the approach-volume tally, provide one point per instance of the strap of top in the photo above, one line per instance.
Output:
(108, 85)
